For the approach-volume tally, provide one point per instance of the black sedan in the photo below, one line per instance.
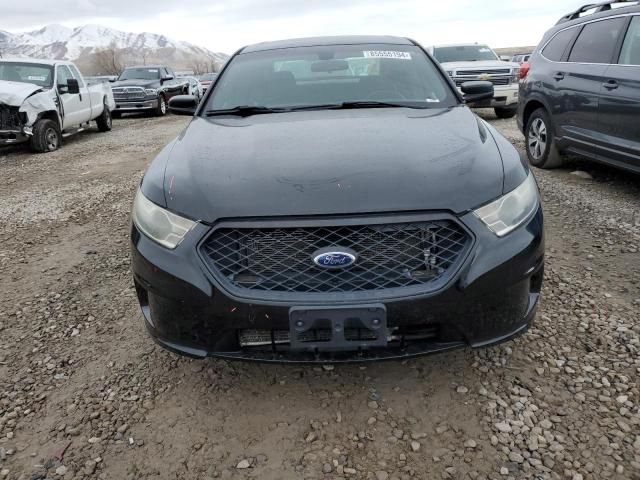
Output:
(333, 199)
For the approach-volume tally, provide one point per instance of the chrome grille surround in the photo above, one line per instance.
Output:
(497, 76)
(128, 93)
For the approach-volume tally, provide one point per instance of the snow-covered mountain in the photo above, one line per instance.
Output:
(80, 44)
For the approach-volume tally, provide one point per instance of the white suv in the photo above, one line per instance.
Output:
(473, 61)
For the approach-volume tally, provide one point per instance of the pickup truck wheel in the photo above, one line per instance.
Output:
(46, 136)
(540, 143)
(502, 112)
(161, 110)
(104, 120)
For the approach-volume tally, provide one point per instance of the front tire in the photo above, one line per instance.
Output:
(540, 142)
(46, 136)
(505, 112)
(104, 120)
(161, 109)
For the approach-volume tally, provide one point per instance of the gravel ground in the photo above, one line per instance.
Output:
(84, 393)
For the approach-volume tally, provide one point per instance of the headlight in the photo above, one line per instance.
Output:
(160, 225)
(515, 75)
(511, 210)
(150, 92)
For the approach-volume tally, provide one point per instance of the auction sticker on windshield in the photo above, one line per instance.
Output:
(387, 54)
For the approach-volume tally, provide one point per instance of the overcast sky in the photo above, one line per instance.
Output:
(228, 25)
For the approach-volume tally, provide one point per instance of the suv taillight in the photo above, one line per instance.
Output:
(524, 70)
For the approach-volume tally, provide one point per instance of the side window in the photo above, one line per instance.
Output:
(597, 41)
(630, 54)
(64, 74)
(77, 75)
(556, 47)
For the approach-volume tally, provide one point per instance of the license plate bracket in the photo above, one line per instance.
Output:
(338, 328)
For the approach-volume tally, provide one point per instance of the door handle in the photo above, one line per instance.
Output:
(558, 75)
(610, 85)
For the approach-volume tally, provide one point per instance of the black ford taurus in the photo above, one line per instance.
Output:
(333, 199)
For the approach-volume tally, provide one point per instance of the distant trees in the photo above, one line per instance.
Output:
(201, 65)
(109, 60)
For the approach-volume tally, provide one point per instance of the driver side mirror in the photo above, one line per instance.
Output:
(72, 86)
(476, 91)
(183, 104)
(167, 78)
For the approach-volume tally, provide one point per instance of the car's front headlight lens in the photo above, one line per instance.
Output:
(160, 225)
(515, 75)
(150, 92)
(511, 210)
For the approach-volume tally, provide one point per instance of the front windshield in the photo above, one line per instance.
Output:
(140, 74)
(464, 53)
(40, 75)
(332, 75)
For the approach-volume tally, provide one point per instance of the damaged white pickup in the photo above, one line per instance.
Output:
(42, 100)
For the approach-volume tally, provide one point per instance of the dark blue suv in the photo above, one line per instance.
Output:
(582, 92)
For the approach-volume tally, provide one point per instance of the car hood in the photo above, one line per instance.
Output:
(135, 83)
(15, 93)
(479, 65)
(332, 162)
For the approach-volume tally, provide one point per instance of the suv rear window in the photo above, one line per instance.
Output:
(558, 44)
(597, 41)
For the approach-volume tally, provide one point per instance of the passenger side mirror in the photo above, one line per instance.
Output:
(167, 78)
(183, 104)
(476, 91)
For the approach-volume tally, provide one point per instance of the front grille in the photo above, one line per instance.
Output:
(389, 256)
(10, 118)
(494, 80)
(128, 93)
(497, 71)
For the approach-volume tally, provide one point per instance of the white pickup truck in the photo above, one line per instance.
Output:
(42, 101)
(472, 61)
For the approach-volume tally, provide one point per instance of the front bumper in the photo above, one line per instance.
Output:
(491, 298)
(136, 106)
(11, 137)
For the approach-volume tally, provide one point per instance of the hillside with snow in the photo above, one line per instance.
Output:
(81, 44)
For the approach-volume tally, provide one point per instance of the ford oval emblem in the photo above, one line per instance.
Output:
(334, 258)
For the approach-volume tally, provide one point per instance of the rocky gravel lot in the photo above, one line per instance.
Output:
(84, 393)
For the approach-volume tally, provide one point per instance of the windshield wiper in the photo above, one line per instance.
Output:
(244, 111)
(354, 105)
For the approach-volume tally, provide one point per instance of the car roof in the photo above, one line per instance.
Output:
(476, 44)
(323, 41)
(569, 20)
(146, 66)
(40, 61)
